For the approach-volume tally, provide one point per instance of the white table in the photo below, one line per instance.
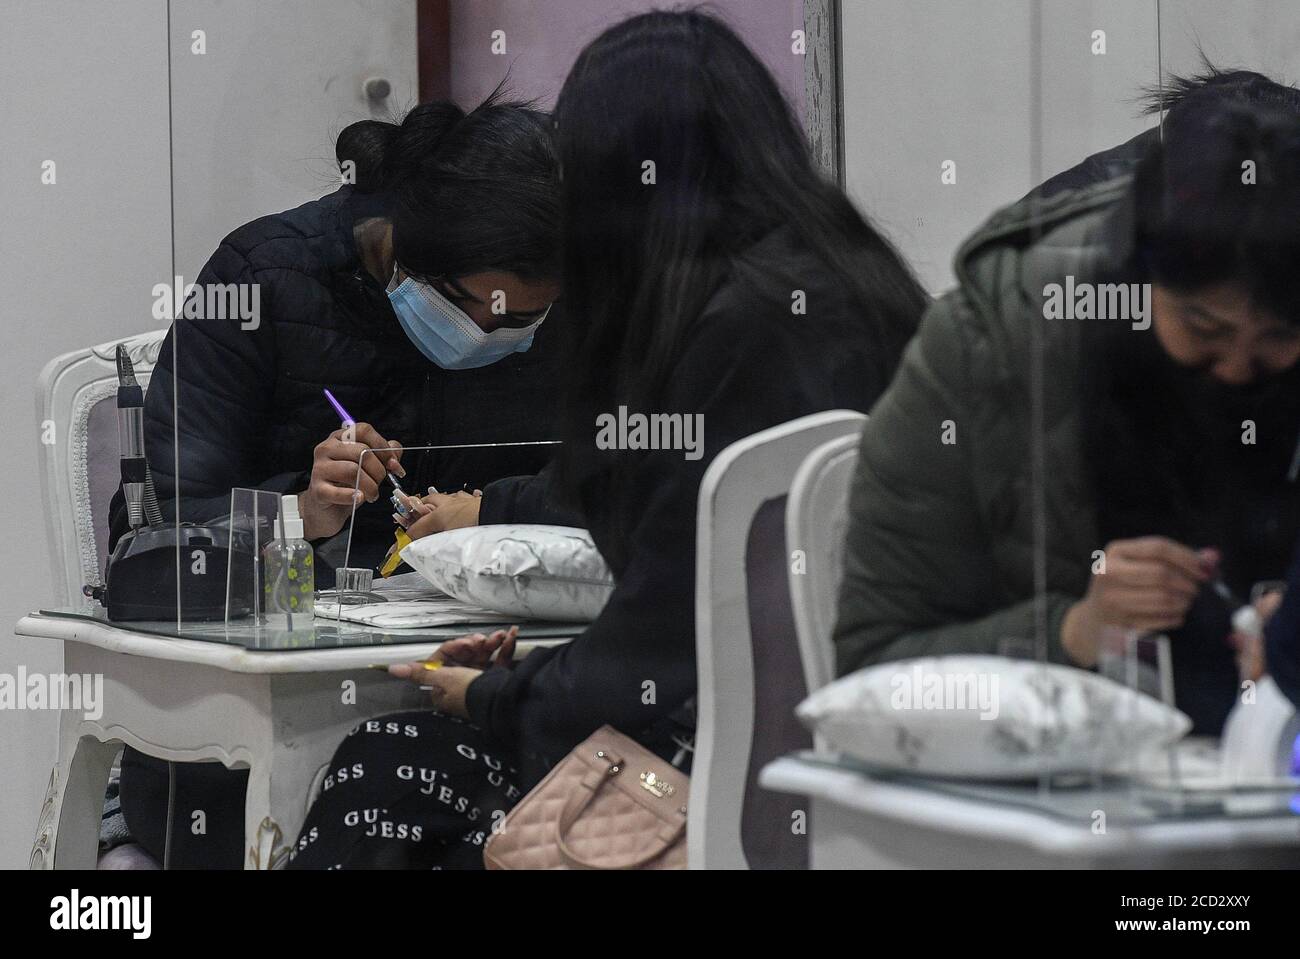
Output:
(857, 821)
(281, 715)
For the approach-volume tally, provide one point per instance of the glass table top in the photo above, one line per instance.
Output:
(324, 633)
(400, 609)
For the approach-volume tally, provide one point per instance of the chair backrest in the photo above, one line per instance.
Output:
(76, 411)
(748, 658)
(816, 518)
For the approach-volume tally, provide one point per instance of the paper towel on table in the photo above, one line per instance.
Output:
(411, 603)
(1259, 737)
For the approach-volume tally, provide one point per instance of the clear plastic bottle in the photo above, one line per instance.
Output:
(289, 574)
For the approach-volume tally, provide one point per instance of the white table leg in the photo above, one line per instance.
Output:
(174, 711)
(265, 843)
(311, 713)
(67, 830)
(283, 727)
(47, 823)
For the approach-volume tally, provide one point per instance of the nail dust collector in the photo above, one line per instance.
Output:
(147, 575)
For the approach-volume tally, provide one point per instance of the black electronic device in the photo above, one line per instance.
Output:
(160, 572)
(146, 578)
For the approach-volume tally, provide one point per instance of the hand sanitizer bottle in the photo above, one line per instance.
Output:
(290, 575)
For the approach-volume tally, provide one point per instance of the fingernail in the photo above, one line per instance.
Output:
(400, 470)
(433, 489)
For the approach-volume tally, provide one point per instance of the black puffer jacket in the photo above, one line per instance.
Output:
(250, 404)
(251, 411)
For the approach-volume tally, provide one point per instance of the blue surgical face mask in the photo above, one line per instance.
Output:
(445, 333)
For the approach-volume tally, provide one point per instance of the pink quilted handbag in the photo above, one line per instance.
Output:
(610, 804)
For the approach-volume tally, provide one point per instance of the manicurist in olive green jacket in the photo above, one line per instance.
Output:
(941, 551)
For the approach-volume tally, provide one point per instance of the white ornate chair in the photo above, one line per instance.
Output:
(76, 408)
(749, 662)
(816, 519)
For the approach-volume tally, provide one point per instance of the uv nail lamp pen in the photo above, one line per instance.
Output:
(402, 512)
(398, 498)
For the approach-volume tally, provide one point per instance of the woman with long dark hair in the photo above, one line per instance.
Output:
(717, 275)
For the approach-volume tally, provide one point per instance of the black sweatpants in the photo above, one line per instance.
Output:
(207, 818)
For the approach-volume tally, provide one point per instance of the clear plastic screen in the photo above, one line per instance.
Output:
(1257, 742)
(258, 92)
(1091, 65)
(1119, 453)
(270, 587)
(1009, 93)
(471, 458)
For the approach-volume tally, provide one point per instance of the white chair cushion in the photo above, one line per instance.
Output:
(533, 572)
(988, 717)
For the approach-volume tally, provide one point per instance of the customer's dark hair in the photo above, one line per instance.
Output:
(682, 91)
(1218, 201)
(468, 191)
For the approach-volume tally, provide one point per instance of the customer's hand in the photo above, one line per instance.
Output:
(1148, 584)
(477, 650)
(326, 504)
(458, 663)
(1250, 646)
(447, 685)
(446, 511)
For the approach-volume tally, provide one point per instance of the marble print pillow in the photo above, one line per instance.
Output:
(989, 717)
(529, 572)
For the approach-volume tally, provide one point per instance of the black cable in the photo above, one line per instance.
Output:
(171, 805)
(152, 512)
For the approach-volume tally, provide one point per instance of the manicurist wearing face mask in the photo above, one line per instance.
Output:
(421, 295)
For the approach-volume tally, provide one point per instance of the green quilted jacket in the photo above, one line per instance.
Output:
(940, 550)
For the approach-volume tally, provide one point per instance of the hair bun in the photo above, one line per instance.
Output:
(418, 138)
(366, 144)
(385, 153)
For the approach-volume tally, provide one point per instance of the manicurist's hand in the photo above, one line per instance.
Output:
(1148, 584)
(446, 511)
(326, 504)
